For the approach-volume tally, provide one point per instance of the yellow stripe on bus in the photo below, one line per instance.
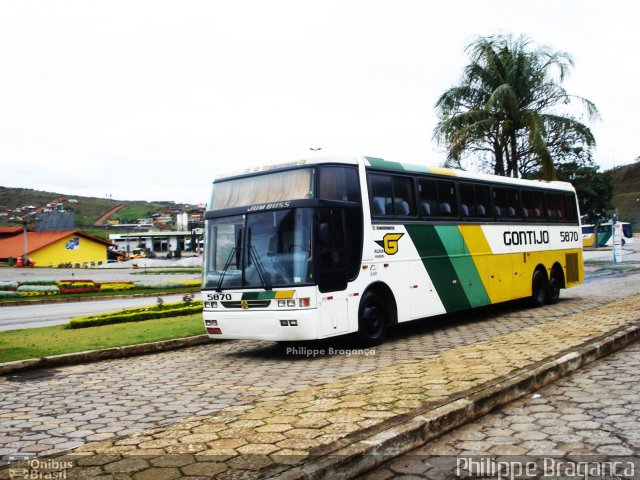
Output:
(284, 294)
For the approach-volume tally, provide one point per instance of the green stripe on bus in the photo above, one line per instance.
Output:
(437, 262)
(464, 265)
(603, 238)
(251, 295)
(381, 163)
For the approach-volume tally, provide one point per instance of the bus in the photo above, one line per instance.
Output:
(605, 235)
(353, 245)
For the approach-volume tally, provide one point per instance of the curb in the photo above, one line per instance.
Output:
(106, 354)
(366, 450)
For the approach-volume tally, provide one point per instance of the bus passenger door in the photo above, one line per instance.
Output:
(331, 270)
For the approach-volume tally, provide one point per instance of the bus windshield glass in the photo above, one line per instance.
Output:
(261, 189)
(259, 250)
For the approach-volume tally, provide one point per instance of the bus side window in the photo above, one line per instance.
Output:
(483, 199)
(403, 197)
(381, 191)
(447, 199)
(428, 198)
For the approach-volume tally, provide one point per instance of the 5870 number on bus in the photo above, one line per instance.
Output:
(568, 236)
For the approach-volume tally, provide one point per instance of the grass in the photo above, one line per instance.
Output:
(46, 341)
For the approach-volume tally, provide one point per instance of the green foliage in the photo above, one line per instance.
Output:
(39, 282)
(136, 315)
(626, 193)
(594, 189)
(507, 109)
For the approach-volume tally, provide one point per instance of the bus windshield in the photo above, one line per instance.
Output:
(260, 189)
(259, 250)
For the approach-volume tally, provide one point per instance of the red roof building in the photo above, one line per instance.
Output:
(51, 249)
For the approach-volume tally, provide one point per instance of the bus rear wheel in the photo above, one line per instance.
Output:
(553, 288)
(538, 289)
(373, 320)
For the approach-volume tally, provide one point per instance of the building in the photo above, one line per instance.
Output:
(160, 243)
(52, 249)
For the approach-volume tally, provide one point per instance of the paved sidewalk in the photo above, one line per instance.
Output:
(592, 415)
(294, 434)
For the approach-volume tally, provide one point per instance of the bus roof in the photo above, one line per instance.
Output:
(408, 168)
(462, 174)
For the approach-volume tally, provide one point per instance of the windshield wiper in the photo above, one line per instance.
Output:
(235, 251)
(253, 254)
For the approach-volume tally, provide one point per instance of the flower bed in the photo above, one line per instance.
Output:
(78, 286)
(37, 290)
(116, 286)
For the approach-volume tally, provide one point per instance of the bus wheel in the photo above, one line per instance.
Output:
(373, 320)
(553, 288)
(538, 289)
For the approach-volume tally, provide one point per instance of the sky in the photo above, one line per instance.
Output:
(150, 100)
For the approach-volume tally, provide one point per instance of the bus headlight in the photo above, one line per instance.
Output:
(291, 303)
(210, 304)
(211, 323)
(282, 303)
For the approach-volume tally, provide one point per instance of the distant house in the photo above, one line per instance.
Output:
(50, 249)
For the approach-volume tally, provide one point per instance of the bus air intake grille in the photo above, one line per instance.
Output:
(247, 304)
(573, 274)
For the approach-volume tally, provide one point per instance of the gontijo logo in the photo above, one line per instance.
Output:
(390, 243)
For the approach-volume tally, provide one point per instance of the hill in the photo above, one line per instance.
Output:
(17, 203)
(626, 193)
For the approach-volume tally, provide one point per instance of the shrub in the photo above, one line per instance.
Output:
(33, 290)
(136, 315)
(9, 294)
(8, 285)
(39, 282)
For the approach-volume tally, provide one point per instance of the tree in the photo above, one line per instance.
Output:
(509, 113)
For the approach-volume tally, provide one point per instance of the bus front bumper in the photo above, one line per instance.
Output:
(288, 325)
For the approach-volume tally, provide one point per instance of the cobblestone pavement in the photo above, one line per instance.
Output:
(253, 439)
(592, 415)
(53, 410)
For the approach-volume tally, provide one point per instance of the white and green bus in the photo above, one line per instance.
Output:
(337, 245)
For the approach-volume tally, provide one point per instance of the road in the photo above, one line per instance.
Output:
(48, 411)
(45, 315)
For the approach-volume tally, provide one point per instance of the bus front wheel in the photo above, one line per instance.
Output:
(373, 320)
(538, 289)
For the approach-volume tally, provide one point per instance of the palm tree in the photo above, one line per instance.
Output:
(508, 108)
